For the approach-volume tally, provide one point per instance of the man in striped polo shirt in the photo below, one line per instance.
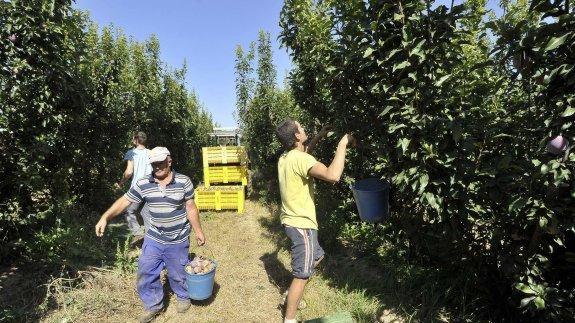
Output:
(169, 197)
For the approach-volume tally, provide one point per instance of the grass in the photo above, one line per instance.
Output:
(253, 271)
(57, 260)
(386, 286)
(242, 289)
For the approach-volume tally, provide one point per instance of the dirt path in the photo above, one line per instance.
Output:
(253, 271)
(250, 268)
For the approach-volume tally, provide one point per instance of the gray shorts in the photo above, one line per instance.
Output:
(305, 251)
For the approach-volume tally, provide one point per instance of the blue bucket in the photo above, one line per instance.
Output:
(201, 286)
(372, 199)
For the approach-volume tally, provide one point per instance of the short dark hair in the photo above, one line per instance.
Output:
(286, 131)
(140, 137)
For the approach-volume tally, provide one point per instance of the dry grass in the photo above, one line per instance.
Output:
(242, 292)
(253, 272)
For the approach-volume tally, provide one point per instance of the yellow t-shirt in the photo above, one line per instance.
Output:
(296, 189)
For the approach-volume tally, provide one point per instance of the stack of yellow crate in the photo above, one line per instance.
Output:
(223, 166)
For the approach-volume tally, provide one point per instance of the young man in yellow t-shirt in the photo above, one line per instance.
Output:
(296, 170)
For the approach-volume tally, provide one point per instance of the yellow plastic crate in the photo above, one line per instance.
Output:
(224, 155)
(220, 198)
(225, 175)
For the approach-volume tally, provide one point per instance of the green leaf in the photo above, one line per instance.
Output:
(403, 143)
(539, 303)
(395, 127)
(556, 42)
(526, 301)
(551, 75)
(406, 90)
(543, 222)
(397, 16)
(568, 112)
(423, 181)
(392, 53)
(401, 65)
(386, 110)
(430, 198)
(417, 49)
(368, 52)
(399, 178)
(442, 79)
(525, 289)
(518, 204)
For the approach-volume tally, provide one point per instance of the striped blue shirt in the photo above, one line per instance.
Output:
(168, 220)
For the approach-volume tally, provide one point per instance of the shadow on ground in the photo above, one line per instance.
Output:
(210, 300)
(407, 290)
(276, 271)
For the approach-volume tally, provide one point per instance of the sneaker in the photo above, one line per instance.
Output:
(183, 305)
(302, 304)
(148, 316)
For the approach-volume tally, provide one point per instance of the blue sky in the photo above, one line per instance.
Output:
(205, 33)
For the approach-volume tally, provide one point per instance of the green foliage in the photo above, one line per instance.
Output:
(261, 105)
(244, 81)
(70, 241)
(266, 81)
(460, 133)
(70, 98)
(59, 258)
(538, 52)
(256, 120)
(37, 100)
(126, 261)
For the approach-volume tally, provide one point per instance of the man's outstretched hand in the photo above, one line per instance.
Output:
(101, 227)
(348, 140)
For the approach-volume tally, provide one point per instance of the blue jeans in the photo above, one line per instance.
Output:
(151, 262)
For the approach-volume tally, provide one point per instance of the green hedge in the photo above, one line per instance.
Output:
(70, 97)
(443, 113)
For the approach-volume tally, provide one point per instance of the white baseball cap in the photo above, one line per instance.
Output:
(158, 154)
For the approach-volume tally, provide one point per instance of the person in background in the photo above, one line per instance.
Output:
(137, 167)
(296, 171)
